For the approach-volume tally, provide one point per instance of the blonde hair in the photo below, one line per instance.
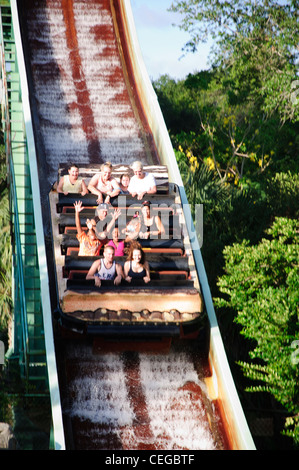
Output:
(108, 164)
(137, 164)
(109, 247)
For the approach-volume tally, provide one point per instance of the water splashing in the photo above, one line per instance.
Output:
(173, 393)
(101, 396)
(171, 416)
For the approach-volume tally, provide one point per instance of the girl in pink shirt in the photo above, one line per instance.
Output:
(118, 245)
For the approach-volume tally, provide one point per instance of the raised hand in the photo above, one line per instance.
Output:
(78, 206)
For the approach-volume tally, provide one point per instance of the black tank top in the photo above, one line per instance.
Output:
(134, 275)
(146, 228)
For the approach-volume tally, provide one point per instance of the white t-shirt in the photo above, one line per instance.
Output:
(138, 185)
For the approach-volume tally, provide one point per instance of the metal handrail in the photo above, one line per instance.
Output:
(58, 431)
(19, 264)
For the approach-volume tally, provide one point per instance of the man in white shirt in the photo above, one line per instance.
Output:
(142, 182)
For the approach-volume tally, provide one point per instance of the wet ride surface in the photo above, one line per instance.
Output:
(138, 401)
(83, 109)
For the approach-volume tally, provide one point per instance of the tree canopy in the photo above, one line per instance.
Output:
(234, 129)
(5, 247)
(256, 40)
(261, 285)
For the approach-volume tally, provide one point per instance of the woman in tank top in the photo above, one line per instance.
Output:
(102, 184)
(106, 269)
(136, 267)
(151, 225)
(71, 183)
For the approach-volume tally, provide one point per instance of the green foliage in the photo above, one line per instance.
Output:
(225, 130)
(283, 194)
(261, 282)
(235, 133)
(240, 117)
(256, 41)
(177, 103)
(5, 249)
(201, 183)
(261, 285)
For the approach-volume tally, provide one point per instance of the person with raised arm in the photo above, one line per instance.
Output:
(89, 244)
(102, 222)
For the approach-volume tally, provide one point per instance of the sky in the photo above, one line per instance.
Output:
(161, 43)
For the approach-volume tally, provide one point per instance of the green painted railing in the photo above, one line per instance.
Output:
(20, 196)
(15, 227)
(33, 336)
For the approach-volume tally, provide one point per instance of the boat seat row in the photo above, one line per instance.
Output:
(166, 271)
(86, 172)
(156, 261)
(73, 250)
(171, 223)
(70, 244)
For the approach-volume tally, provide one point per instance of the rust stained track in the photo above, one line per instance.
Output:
(56, 56)
(83, 97)
(143, 430)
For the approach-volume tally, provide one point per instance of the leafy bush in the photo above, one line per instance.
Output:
(5, 249)
(261, 285)
(283, 194)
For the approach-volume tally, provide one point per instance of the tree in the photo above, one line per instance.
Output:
(257, 42)
(177, 103)
(206, 117)
(260, 284)
(5, 249)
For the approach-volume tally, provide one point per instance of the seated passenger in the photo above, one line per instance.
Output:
(71, 183)
(106, 269)
(151, 225)
(102, 184)
(132, 228)
(124, 183)
(118, 245)
(89, 243)
(136, 267)
(103, 223)
(142, 182)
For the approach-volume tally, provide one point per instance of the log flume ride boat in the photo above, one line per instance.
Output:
(170, 305)
(139, 366)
